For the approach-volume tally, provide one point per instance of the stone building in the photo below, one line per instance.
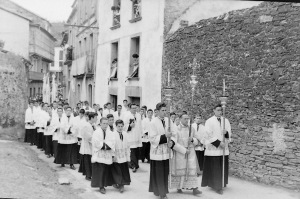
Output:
(256, 51)
(80, 48)
(40, 44)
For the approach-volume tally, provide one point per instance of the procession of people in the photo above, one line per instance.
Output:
(106, 144)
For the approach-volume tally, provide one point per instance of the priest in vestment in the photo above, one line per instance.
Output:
(184, 161)
(29, 123)
(213, 140)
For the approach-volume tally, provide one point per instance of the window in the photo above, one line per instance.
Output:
(33, 91)
(52, 64)
(61, 63)
(85, 46)
(69, 73)
(136, 9)
(30, 92)
(134, 58)
(114, 60)
(79, 92)
(116, 12)
(79, 49)
(91, 42)
(61, 53)
(39, 90)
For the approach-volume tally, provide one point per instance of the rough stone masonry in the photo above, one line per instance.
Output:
(13, 96)
(257, 52)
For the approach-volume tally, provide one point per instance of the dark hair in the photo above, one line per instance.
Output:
(149, 110)
(125, 100)
(60, 108)
(132, 104)
(69, 107)
(182, 114)
(137, 105)
(103, 118)
(94, 104)
(198, 115)
(108, 103)
(135, 55)
(172, 113)
(54, 102)
(155, 110)
(100, 109)
(217, 105)
(144, 107)
(119, 122)
(86, 102)
(82, 111)
(78, 103)
(91, 115)
(160, 105)
(66, 104)
(109, 116)
(120, 105)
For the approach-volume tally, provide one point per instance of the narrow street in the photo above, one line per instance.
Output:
(27, 173)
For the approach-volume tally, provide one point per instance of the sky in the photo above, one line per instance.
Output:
(52, 10)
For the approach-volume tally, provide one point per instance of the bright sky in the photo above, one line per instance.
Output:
(52, 10)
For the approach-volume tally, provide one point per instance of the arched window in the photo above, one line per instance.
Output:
(90, 94)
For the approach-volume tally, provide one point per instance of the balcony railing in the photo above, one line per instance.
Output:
(35, 76)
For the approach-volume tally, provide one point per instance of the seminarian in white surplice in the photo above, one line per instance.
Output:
(213, 140)
(185, 166)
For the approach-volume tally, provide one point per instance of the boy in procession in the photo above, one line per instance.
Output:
(200, 133)
(213, 140)
(67, 141)
(133, 126)
(120, 170)
(145, 149)
(86, 146)
(118, 115)
(103, 147)
(184, 162)
(29, 123)
(57, 123)
(159, 152)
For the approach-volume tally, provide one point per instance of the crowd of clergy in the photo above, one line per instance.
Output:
(107, 144)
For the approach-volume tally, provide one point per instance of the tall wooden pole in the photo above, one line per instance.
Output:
(223, 103)
(168, 98)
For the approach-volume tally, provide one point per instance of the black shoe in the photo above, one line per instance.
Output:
(163, 197)
(196, 192)
(121, 189)
(134, 170)
(72, 167)
(179, 191)
(102, 190)
(220, 191)
(62, 165)
(116, 186)
(88, 178)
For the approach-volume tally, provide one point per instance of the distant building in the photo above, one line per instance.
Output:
(35, 36)
(81, 49)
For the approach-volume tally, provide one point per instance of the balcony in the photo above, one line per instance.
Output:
(41, 43)
(69, 56)
(35, 76)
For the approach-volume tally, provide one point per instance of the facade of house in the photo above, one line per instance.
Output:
(39, 41)
(130, 48)
(80, 44)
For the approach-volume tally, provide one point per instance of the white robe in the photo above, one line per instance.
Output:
(122, 149)
(146, 125)
(200, 135)
(29, 117)
(63, 136)
(159, 151)
(86, 142)
(102, 155)
(135, 134)
(213, 133)
(117, 117)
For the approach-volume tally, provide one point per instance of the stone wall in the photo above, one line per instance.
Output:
(256, 51)
(13, 96)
